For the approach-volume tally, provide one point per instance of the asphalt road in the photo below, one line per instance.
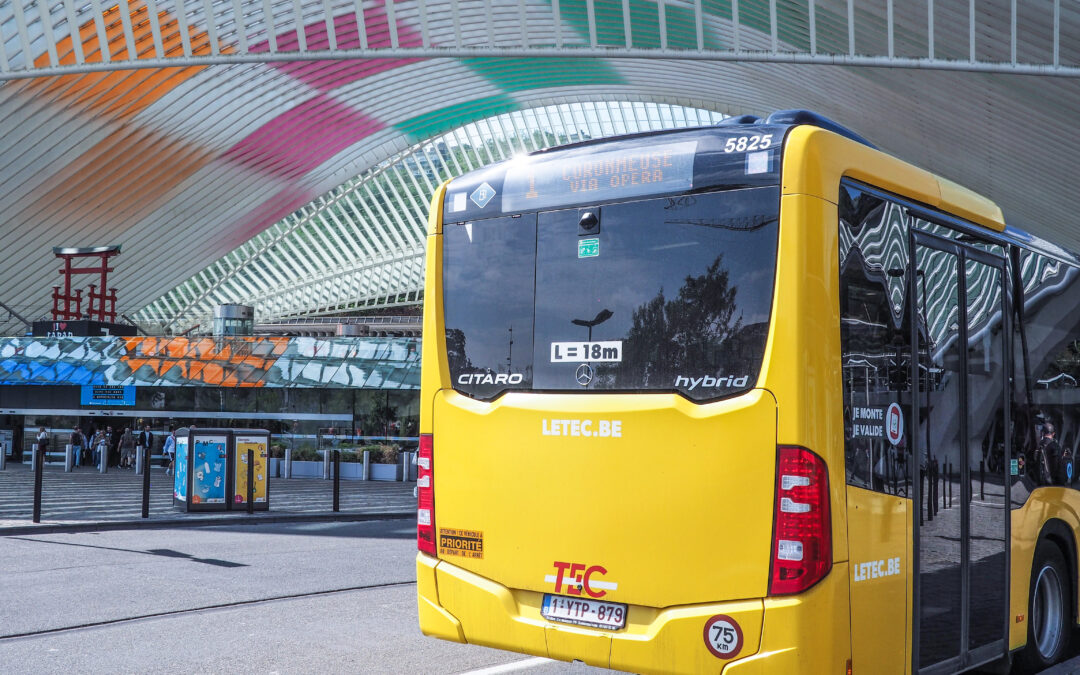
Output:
(273, 598)
(263, 598)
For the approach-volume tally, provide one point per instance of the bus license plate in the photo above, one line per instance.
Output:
(584, 612)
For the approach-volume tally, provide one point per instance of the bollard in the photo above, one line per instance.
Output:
(3, 456)
(326, 465)
(949, 485)
(251, 482)
(140, 462)
(39, 468)
(982, 479)
(337, 481)
(922, 483)
(367, 466)
(144, 455)
(288, 463)
(103, 460)
(69, 458)
(404, 467)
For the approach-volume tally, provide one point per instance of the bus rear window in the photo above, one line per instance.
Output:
(670, 294)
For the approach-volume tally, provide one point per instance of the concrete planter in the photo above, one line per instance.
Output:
(307, 469)
(387, 472)
(352, 471)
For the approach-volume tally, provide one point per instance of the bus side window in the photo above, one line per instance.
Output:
(874, 338)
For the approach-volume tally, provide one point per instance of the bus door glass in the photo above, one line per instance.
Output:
(960, 533)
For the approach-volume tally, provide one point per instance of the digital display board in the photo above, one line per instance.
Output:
(601, 176)
(93, 394)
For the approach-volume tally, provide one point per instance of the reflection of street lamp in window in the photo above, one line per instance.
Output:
(603, 316)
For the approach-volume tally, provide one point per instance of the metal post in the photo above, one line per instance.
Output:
(39, 468)
(3, 456)
(982, 479)
(140, 459)
(367, 465)
(288, 464)
(69, 459)
(922, 483)
(404, 466)
(144, 456)
(337, 480)
(326, 464)
(103, 459)
(950, 485)
(251, 481)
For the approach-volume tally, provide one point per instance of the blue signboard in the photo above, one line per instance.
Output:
(208, 467)
(93, 394)
(180, 473)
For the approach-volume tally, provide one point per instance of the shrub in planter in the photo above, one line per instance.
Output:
(277, 451)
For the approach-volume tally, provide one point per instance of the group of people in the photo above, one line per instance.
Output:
(119, 448)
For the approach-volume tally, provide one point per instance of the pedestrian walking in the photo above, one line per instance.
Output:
(146, 441)
(77, 445)
(42, 443)
(100, 446)
(170, 451)
(127, 449)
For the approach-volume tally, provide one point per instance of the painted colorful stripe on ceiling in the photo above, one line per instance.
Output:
(366, 363)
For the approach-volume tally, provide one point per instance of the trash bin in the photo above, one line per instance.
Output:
(199, 482)
(211, 469)
(258, 441)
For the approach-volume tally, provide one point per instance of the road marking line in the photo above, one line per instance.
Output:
(511, 667)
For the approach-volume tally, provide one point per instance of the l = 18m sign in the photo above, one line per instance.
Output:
(608, 351)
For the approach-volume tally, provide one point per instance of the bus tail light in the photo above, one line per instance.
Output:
(802, 528)
(425, 493)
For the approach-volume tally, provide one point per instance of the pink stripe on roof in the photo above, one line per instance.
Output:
(287, 200)
(302, 138)
(327, 75)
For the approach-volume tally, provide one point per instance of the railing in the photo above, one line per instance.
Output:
(57, 37)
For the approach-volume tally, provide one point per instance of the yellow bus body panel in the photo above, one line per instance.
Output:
(1044, 504)
(677, 510)
(815, 160)
(879, 528)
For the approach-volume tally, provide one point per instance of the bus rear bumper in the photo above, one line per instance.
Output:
(803, 634)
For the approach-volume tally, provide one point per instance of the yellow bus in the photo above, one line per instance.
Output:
(749, 398)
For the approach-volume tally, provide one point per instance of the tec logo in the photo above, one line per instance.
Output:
(578, 578)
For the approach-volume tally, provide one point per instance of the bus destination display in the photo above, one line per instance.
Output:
(601, 176)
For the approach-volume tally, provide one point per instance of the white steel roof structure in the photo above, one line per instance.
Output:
(183, 129)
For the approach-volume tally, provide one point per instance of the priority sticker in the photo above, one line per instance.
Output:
(723, 636)
(463, 543)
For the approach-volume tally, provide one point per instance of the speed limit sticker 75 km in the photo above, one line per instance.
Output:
(723, 636)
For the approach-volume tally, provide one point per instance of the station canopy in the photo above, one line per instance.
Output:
(283, 154)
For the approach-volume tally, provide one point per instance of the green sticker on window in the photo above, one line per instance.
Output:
(588, 248)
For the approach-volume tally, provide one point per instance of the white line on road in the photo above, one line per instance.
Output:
(511, 667)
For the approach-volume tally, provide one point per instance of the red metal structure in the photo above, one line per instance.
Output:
(67, 305)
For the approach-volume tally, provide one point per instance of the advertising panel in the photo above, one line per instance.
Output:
(93, 394)
(208, 467)
(258, 445)
(181, 472)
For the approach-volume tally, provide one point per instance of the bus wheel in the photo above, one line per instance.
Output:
(1048, 609)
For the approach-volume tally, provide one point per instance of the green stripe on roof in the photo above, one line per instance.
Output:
(792, 19)
(428, 125)
(539, 73)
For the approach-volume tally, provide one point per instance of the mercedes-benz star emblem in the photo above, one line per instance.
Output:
(584, 374)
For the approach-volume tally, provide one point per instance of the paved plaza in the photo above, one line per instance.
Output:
(84, 498)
